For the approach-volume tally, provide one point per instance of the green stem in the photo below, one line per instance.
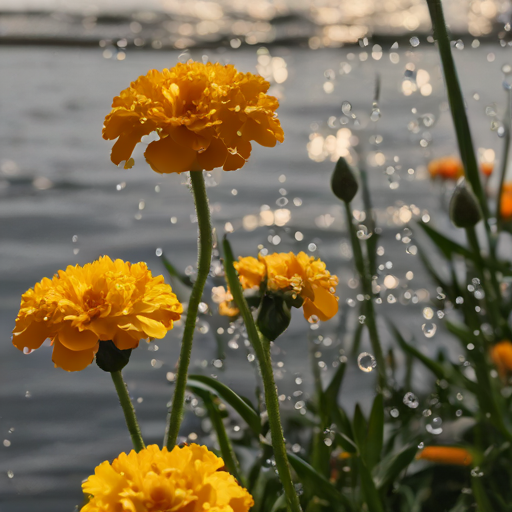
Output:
(504, 158)
(129, 410)
(204, 244)
(458, 111)
(262, 348)
(366, 283)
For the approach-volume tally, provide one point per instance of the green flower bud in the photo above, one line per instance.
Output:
(111, 359)
(464, 209)
(343, 181)
(273, 317)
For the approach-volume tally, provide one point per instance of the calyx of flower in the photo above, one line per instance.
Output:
(111, 359)
(274, 316)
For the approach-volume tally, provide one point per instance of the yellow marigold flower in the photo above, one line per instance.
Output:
(206, 116)
(446, 455)
(305, 276)
(250, 272)
(186, 479)
(104, 300)
(501, 354)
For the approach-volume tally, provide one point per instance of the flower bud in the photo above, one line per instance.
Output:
(343, 181)
(274, 316)
(464, 209)
(111, 359)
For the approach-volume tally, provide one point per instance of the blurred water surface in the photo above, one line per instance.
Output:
(62, 202)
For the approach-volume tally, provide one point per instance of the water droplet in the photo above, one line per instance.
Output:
(203, 307)
(421, 445)
(410, 400)
(28, 394)
(475, 472)
(10, 474)
(391, 299)
(394, 413)
(429, 329)
(362, 319)
(282, 201)
(7, 443)
(414, 41)
(366, 362)
(312, 247)
(346, 107)
(313, 319)
(428, 313)
(159, 252)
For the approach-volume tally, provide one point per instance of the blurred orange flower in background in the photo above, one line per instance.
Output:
(206, 116)
(103, 300)
(187, 479)
(506, 202)
(451, 168)
(446, 455)
(501, 354)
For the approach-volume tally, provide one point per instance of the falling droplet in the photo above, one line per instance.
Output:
(429, 329)
(410, 400)
(366, 362)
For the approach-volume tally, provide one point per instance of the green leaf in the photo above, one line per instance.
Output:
(226, 449)
(391, 467)
(280, 504)
(341, 420)
(433, 366)
(241, 406)
(369, 491)
(333, 389)
(375, 435)
(446, 246)
(318, 484)
(174, 272)
(359, 428)
(357, 338)
(481, 498)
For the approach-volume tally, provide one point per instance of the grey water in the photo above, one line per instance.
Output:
(63, 202)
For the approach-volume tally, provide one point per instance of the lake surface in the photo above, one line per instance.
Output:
(63, 202)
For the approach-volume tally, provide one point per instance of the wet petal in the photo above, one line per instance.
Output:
(324, 307)
(76, 340)
(32, 337)
(152, 327)
(255, 131)
(214, 156)
(71, 360)
(166, 156)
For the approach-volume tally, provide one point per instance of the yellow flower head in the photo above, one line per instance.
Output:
(501, 354)
(446, 455)
(305, 276)
(186, 479)
(206, 116)
(104, 300)
(250, 272)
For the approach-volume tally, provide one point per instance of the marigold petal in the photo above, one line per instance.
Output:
(253, 130)
(76, 340)
(166, 156)
(71, 360)
(190, 139)
(325, 302)
(124, 341)
(32, 337)
(233, 162)
(214, 156)
(125, 144)
(151, 327)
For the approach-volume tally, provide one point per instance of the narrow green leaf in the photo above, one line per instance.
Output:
(433, 366)
(333, 389)
(226, 449)
(357, 338)
(322, 486)
(369, 491)
(249, 415)
(345, 442)
(391, 467)
(280, 504)
(174, 272)
(359, 428)
(447, 247)
(375, 435)
(481, 498)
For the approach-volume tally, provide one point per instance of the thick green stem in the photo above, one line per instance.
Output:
(366, 284)
(204, 244)
(458, 111)
(262, 348)
(129, 411)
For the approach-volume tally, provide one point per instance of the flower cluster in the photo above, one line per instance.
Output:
(206, 116)
(294, 276)
(188, 479)
(104, 300)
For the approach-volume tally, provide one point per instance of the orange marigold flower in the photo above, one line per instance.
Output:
(446, 168)
(187, 479)
(305, 276)
(206, 116)
(501, 354)
(506, 202)
(446, 455)
(104, 300)
(250, 272)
